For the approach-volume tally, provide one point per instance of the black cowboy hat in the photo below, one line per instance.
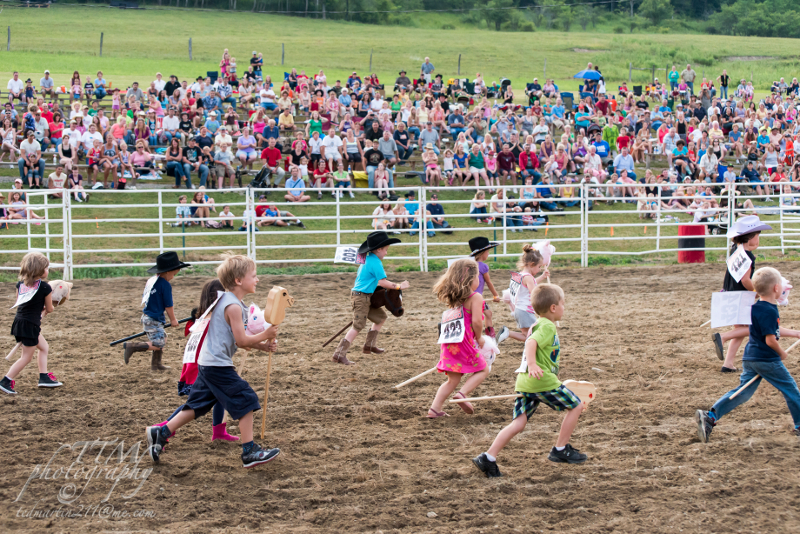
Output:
(402, 72)
(374, 241)
(167, 261)
(479, 244)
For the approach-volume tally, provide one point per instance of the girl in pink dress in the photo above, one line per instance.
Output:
(460, 334)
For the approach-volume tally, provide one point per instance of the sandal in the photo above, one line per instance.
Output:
(433, 414)
(729, 370)
(467, 407)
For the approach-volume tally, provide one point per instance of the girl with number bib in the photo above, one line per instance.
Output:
(197, 329)
(461, 334)
(521, 289)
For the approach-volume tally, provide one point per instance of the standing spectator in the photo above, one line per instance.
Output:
(688, 76)
(724, 80)
(426, 71)
(507, 165)
(673, 78)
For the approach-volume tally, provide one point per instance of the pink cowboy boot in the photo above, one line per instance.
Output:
(219, 432)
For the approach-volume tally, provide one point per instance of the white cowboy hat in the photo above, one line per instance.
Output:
(746, 225)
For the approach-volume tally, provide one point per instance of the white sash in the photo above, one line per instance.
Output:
(198, 329)
(453, 326)
(148, 287)
(25, 293)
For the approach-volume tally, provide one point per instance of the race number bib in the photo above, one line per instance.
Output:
(349, 255)
(739, 263)
(513, 287)
(453, 326)
(731, 307)
(197, 332)
(148, 287)
(25, 293)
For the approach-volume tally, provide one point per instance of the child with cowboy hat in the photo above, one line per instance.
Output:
(480, 248)
(370, 275)
(157, 300)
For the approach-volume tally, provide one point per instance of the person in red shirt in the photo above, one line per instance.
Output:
(507, 164)
(322, 178)
(528, 165)
(624, 140)
(272, 157)
(602, 104)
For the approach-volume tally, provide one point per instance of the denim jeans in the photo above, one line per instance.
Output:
(232, 101)
(202, 172)
(414, 130)
(723, 91)
(99, 93)
(177, 168)
(673, 86)
(478, 213)
(371, 176)
(537, 177)
(551, 206)
(512, 221)
(428, 225)
(776, 374)
(691, 87)
(23, 175)
(455, 130)
(404, 153)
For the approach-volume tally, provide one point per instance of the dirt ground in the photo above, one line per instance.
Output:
(359, 456)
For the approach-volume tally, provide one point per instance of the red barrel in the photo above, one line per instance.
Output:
(691, 256)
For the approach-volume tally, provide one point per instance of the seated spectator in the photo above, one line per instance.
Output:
(200, 209)
(17, 208)
(31, 160)
(505, 210)
(624, 162)
(383, 217)
(400, 214)
(222, 159)
(272, 157)
(296, 186)
(341, 180)
(58, 181)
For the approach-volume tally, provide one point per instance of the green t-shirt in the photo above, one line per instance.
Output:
(673, 76)
(396, 106)
(315, 126)
(548, 357)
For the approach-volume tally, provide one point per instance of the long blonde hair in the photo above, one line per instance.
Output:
(455, 286)
(33, 266)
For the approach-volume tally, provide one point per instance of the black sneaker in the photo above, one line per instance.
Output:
(717, 339)
(796, 432)
(486, 466)
(258, 456)
(704, 425)
(156, 441)
(49, 380)
(301, 225)
(729, 370)
(7, 386)
(567, 456)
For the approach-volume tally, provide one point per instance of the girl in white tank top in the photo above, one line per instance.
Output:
(521, 287)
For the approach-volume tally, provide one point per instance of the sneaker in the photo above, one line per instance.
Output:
(796, 432)
(319, 196)
(333, 194)
(503, 334)
(156, 441)
(7, 386)
(486, 466)
(717, 339)
(301, 225)
(49, 381)
(258, 456)
(352, 195)
(567, 456)
(704, 425)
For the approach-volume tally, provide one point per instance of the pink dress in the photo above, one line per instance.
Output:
(462, 357)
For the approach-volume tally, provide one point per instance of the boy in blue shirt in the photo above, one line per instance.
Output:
(157, 300)
(762, 357)
(370, 275)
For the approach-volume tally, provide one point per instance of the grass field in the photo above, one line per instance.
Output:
(139, 43)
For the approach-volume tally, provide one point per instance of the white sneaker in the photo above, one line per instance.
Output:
(503, 334)
(133, 188)
(515, 190)
(352, 195)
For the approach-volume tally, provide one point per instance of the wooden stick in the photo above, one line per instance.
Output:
(793, 345)
(337, 334)
(266, 397)
(496, 397)
(429, 371)
(10, 354)
(705, 323)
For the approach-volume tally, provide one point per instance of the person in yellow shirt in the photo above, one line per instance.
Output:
(285, 120)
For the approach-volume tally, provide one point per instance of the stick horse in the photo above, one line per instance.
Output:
(391, 299)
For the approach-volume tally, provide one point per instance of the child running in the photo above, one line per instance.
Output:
(537, 382)
(34, 300)
(196, 329)
(157, 301)
(763, 357)
(521, 290)
(217, 380)
(461, 334)
(481, 248)
(745, 233)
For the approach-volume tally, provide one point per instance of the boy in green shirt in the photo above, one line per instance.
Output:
(538, 382)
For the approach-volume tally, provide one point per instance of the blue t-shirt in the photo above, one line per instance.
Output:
(602, 148)
(369, 274)
(765, 321)
(160, 299)
(412, 207)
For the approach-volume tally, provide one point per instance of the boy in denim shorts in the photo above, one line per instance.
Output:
(538, 383)
(370, 275)
(157, 300)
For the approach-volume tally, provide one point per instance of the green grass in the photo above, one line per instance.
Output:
(132, 53)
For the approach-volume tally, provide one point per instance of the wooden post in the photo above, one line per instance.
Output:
(283, 52)
(459, 64)
(8, 46)
(190, 48)
(653, 76)
(630, 72)
(370, 61)
(266, 397)
(101, 44)
(545, 70)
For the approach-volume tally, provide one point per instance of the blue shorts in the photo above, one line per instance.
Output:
(221, 385)
(558, 399)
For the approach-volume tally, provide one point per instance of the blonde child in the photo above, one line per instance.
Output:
(461, 334)
(537, 381)
(744, 233)
(521, 289)
(481, 248)
(491, 170)
(34, 301)
(115, 103)
(303, 168)
(432, 172)
(447, 167)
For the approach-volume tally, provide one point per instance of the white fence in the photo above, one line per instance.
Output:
(106, 233)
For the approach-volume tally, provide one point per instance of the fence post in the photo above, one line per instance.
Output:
(160, 225)
(731, 217)
(370, 60)
(658, 220)
(46, 228)
(249, 196)
(505, 223)
(8, 46)
(190, 48)
(630, 72)
(283, 52)
(584, 203)
(459, 64)
(66, 233)
(780, 206)
(338, 220)
(653, 76)
(101, 44)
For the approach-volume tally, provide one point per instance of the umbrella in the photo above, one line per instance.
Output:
(588, 75)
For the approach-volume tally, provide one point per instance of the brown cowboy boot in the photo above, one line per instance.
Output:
(340, 355)
(130, 348)
(369, 345)
(155, 362)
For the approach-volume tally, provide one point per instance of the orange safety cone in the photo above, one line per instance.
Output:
(96, 223)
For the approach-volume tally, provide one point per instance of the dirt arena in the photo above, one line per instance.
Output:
(359, 456)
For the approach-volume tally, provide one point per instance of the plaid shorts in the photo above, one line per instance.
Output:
(558, 399)
(155, 331)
